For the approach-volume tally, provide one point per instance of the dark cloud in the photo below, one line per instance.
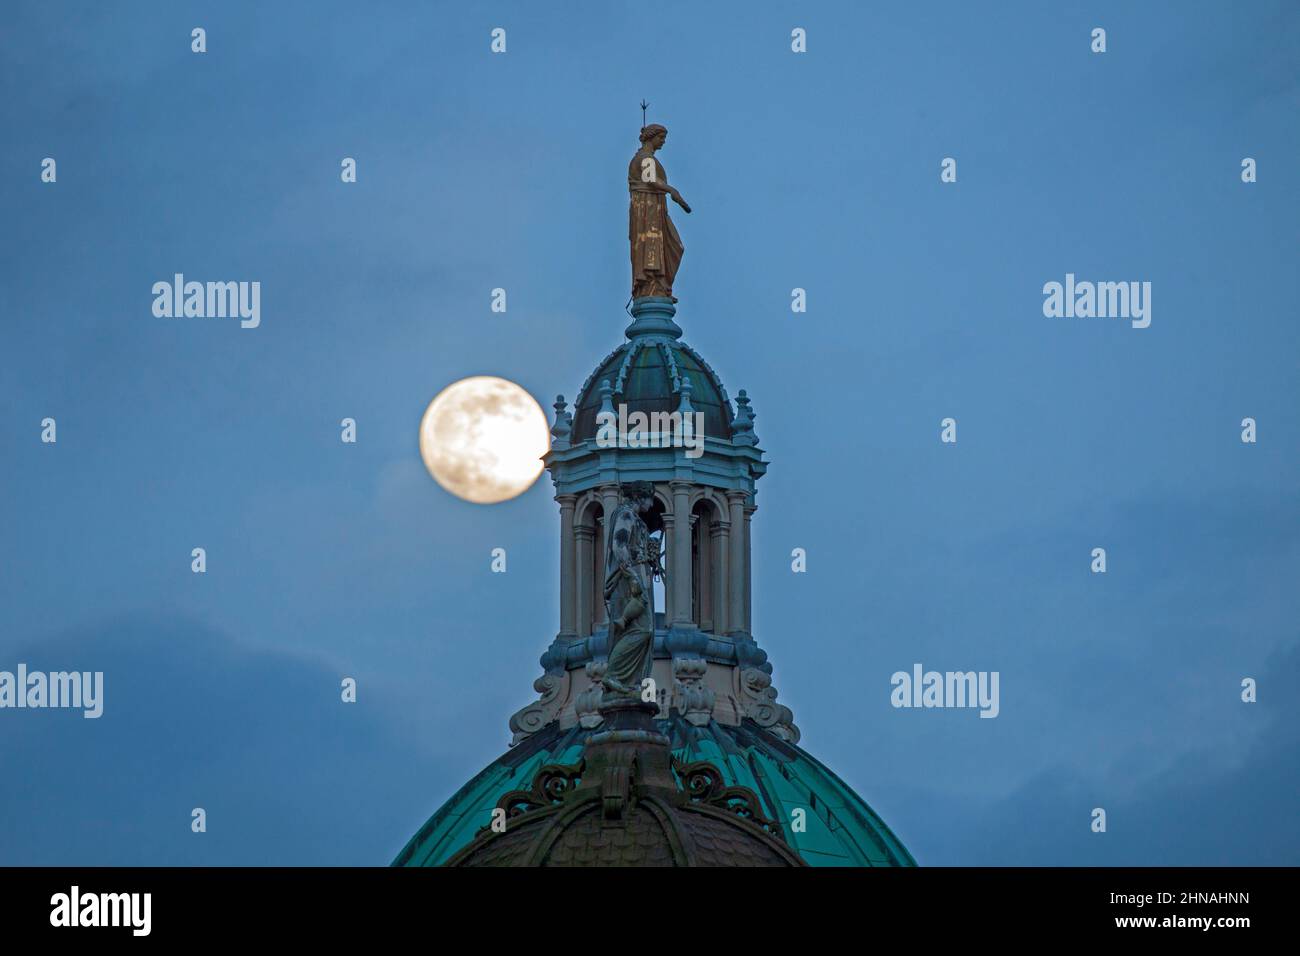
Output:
(1209, 808)
(287, 773)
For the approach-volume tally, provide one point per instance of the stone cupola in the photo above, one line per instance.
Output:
(654, 411)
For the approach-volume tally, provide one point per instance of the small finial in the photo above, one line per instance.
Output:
(606, 402)
(685, 407)
(561, 429)
(644, 107)
(742, 426)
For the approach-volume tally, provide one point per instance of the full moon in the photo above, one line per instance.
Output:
(483, 439)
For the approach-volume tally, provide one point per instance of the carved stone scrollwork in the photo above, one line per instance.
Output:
(587, 704)
(550, 785)
(616, 785)
(758, 702)
(703, 783)
(554, 688)
(691, 697)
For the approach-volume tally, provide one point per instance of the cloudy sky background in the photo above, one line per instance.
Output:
(820, 171)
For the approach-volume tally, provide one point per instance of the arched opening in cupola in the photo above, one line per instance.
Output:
(654, 522)
(707, 593)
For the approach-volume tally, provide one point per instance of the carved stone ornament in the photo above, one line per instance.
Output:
(550, 784)
(703, 783)
(758, 702)
(554, 689)
(690, 695)
(587, 704)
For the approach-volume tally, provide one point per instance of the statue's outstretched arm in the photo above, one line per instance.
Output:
(655, 186)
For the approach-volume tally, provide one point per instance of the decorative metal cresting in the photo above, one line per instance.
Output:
(703, 783)
(550, 785)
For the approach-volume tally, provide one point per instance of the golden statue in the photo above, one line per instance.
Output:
(656, 247)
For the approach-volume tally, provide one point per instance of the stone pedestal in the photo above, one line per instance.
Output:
(629, 751)
(653, 315)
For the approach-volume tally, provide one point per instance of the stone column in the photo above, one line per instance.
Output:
(608, 502)
(586, 535)
(749, 565)
(681, 570)
(705, 572)
(721, 620)
(568, 626)
(736, 592)
(670, 559)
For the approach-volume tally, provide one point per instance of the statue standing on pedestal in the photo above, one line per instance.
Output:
(656, 247)
(631, 561)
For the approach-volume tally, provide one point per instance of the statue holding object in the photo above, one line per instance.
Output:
(656, 247)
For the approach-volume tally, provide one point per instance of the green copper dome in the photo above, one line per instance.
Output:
(840, 829)
(646, 375)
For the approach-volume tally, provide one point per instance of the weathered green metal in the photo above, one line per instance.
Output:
(840, 828)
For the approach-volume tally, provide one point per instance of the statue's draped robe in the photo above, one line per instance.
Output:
(630, 657)
(656, 247)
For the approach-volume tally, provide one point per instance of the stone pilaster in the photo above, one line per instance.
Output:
(568, 572)
(670, 553)
(749, 566)
(680, 571)
(739, 562)
(721, 615)
(586, 578)
(704, 574)
(608, 502)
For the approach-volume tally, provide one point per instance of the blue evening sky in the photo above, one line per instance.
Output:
(818, 171)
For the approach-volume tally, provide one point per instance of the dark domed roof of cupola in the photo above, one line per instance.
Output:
(625, 804)
(645, 374)
(654, 833)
